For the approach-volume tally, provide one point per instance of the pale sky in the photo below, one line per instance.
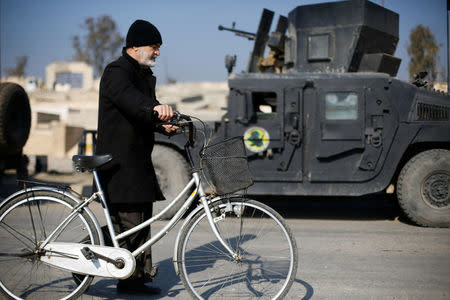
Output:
(193, 48)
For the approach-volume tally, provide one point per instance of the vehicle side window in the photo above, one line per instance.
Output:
(341, 106)
(319, 47)
(264, 104)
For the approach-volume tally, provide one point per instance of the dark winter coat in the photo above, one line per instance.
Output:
(126, 130)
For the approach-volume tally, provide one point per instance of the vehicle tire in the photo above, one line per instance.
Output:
(267, 260)
(172, 171)
(423, 188)
(15, 117)
(25, 221)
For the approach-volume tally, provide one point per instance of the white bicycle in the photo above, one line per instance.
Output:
(228, 246)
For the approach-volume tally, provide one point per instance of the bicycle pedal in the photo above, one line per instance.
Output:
(88, 254)
(154, 272)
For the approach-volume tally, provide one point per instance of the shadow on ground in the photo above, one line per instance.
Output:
(369, 207)
(172, 287)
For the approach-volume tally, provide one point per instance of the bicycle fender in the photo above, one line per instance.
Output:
(69, 256)
(176, 259)
(63, 193)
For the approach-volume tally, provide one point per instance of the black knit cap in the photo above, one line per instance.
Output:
(142, 33)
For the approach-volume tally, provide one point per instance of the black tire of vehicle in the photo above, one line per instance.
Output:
(15, 117)
(172, 171)
(71, 203)
(423, 188)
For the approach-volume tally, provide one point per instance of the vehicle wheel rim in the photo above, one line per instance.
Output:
(435, 189)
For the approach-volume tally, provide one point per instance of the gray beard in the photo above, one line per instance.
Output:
(144, 61)
(150, 63)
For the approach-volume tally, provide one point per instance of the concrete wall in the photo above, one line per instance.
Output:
(55, 139)
(69, 67)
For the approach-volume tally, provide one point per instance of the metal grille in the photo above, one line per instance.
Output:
(432, 112)
(225, 166)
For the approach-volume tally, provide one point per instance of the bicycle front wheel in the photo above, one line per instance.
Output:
(267, 259)
(26, 221)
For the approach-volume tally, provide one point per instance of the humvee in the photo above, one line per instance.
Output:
(324, 114)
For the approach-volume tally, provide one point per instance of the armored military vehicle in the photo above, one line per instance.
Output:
(324, 114)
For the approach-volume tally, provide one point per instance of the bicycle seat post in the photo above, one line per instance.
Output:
(105, 208)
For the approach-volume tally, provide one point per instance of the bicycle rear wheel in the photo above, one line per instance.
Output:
(25, 221)
(268, 257)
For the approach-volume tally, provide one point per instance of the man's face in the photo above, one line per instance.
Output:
(147, 55)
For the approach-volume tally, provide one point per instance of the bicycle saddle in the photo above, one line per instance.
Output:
(83, 163)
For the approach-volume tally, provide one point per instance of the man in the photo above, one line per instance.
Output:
(126, 129)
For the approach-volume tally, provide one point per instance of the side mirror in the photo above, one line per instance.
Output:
(230, 62)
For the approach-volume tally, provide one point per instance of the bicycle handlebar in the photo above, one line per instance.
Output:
(176, 121)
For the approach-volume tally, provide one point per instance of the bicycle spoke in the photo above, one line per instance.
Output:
(42, 221)
(20, 277)
(209, 279)
(219, 250)
(32, 223)
(10, 230)
(230, 278)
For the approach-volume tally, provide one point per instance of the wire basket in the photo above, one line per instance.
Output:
(225, 166)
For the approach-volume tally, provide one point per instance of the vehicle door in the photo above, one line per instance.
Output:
(269, 119)
(348, 129)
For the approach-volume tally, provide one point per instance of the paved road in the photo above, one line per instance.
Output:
(348, 249)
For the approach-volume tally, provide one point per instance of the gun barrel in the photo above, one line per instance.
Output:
(249, 35)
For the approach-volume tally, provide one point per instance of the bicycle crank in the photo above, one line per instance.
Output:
(89, 255)
(94, 260)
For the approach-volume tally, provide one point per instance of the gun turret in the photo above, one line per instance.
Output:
(344, 36)
(248, 35)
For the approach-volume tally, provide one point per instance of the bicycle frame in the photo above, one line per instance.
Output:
(195, 181)
(173, 221)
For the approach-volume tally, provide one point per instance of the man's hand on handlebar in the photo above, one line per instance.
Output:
(170, 128)
(175, 122)
(165, 114)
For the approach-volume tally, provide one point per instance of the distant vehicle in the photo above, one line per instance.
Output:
(15, 124)
(323, 114)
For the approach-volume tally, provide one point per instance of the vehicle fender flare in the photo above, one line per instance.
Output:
(177, 142)
(430, 133)
(176, 259)
(63, 193)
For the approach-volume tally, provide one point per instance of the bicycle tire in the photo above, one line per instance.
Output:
(26, 220)
(269, 253)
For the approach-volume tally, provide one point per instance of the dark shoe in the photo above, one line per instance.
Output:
(148, 277)
(128, 288)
